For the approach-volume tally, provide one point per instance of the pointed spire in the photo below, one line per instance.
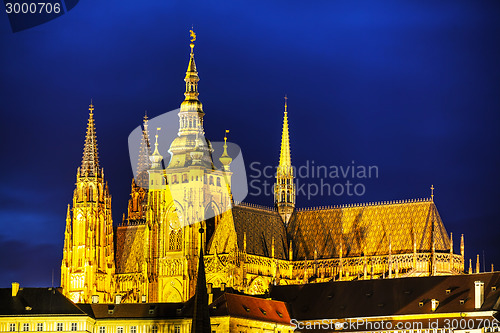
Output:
(284, 190)
(143, 162)
(201, 315)
(477, 264)
(192, 78)
(156, 158)
(225, 159)
(68, 220)
(90, 160)
(285, 166)
(462, 246)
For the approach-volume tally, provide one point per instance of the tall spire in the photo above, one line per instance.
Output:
(285, 166)
(90, 160)
(191, 132)
(201, 315)
(143, 163)
(284, 190)
(191, 102)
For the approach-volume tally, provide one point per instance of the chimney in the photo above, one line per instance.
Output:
(210, 293)
(434, 304)
(15, 288)
(144, 298)
(95, 299)
(222, 286)
(478, 294)
(118, 299)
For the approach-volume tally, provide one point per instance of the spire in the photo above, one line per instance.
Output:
(156, 158)
(143, 162)
(192, 78)
(225, 159)
(284, 190)
(462, 246)
(90, 160)
(68, 220)
(285, 166)
(201, 315)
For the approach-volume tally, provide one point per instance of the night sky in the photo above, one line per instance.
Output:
(411, 87)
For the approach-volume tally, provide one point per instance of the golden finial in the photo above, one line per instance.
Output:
(91, 106)
(146, 115)
(432, 192)
(286, 106)
(225, 136)
(193, 35)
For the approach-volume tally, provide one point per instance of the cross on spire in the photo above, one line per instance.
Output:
(91, 106)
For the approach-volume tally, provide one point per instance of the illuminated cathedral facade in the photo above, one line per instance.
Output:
(152, 256)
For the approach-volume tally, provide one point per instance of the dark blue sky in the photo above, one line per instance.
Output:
(412, 87)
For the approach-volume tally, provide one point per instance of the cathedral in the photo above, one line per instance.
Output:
(153, 254)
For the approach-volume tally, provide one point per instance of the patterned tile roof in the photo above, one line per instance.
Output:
(367, 229)
(361, 229)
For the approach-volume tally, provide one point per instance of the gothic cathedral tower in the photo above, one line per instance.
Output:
(284, 189)
(88, 265)
(189, 194)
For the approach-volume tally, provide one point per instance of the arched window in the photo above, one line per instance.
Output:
(175, 240)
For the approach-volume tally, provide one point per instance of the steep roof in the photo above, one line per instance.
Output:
(366, 229)
(260, 226)
(384, 297)
(36, 301)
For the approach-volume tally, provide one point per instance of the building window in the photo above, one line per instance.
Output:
(26, 327)
(39, 327)
(102, 329)
(12, 327)
(59, 327)
(154, 329)
(175, 240)
(74, 326)
(177, 329)
(119, 330)
(133, 329)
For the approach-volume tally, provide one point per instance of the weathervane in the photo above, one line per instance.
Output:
(193, 35)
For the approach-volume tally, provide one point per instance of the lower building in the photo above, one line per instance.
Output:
(435, 304)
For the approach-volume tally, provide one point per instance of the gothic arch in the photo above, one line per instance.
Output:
(171, 293)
